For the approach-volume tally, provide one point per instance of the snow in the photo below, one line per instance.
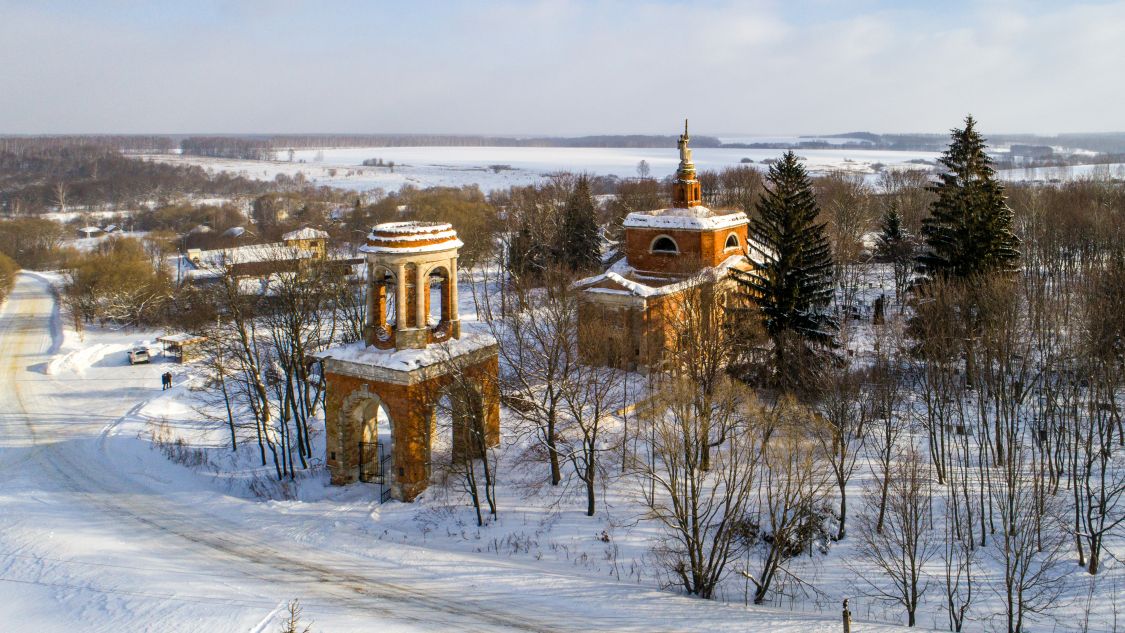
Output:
(305, 233)
(409, 359)
(100, 531)
(627, 277)
(688, 219)
(462, 166)
(426, 248)
(412, 228)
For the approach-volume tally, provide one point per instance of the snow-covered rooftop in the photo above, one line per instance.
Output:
(691, 219)
(648, 285)
(411, 228)
(219, 258)
(408, 359)
(411, 237)
(305, 233)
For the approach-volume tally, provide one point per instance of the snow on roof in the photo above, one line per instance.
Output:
(411, 227)
(305, 233)
(691, 219)
(411, 237)
(234, 231)
(627, 277)
(219, 258)
(181, 338)
(90, 229)
(428, 248)
(408, 359)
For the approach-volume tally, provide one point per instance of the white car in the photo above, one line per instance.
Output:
(138, 355)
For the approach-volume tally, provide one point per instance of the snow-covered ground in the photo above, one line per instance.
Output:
(101, 531)
(123, 508)
(458, 166)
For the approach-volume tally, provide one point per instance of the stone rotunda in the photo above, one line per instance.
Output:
(382, 393)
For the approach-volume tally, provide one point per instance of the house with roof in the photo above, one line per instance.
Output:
(254, 265)
(667, 253)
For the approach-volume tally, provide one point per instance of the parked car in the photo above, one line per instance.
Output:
(138, 355)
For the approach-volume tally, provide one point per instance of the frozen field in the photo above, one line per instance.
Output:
(501, 167)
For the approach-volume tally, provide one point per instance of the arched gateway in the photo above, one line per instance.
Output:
(382, 392)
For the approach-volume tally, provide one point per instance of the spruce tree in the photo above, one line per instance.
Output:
(792, 287)
(895, 246)
(969, 231)
(581, 248)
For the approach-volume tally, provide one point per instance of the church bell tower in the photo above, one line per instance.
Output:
(686, 191)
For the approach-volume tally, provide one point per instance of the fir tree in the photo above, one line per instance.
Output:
(969, 231)
(793, 286)
(895, 246)
(581, 241)
(526, 255)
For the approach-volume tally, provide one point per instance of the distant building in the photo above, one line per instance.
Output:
(254, 264)
(667, 252)
(89, 231)
(307, 239)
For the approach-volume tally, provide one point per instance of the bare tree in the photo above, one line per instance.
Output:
(292, 621)
(842, 436)
(589, 398)
(792, 483)
(701, 509)
(958, 557)
(538, 336)
(907, 542)
(462, 415)
(1028, 549)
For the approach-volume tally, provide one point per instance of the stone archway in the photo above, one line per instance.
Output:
(374, 437)
(459, 424)
(365, 446)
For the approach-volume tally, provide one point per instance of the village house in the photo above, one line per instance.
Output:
(254, 264)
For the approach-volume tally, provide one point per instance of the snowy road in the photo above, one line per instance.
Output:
(87, 544)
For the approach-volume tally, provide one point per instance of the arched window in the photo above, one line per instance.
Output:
(664, 244)
(732, 241)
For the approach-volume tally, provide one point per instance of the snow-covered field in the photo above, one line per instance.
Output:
(458, 166)
(108, 524)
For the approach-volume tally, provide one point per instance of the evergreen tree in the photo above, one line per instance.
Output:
(969, 231)
(895, 246)
(581, 248)
(526, 254)
(793, 285)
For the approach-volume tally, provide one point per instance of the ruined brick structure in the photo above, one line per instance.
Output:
(667, 251)
(382, 393)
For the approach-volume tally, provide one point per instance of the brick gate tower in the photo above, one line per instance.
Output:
(382, 393)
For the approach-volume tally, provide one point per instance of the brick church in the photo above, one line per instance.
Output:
(667, 252)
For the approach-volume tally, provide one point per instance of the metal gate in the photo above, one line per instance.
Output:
(374, 460)
(371, 462)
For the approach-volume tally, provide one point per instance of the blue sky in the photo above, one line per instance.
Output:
(556, 67)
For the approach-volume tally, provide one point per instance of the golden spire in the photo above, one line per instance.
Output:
(685, 191)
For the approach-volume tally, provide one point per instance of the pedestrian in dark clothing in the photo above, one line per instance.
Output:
(166, 381)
